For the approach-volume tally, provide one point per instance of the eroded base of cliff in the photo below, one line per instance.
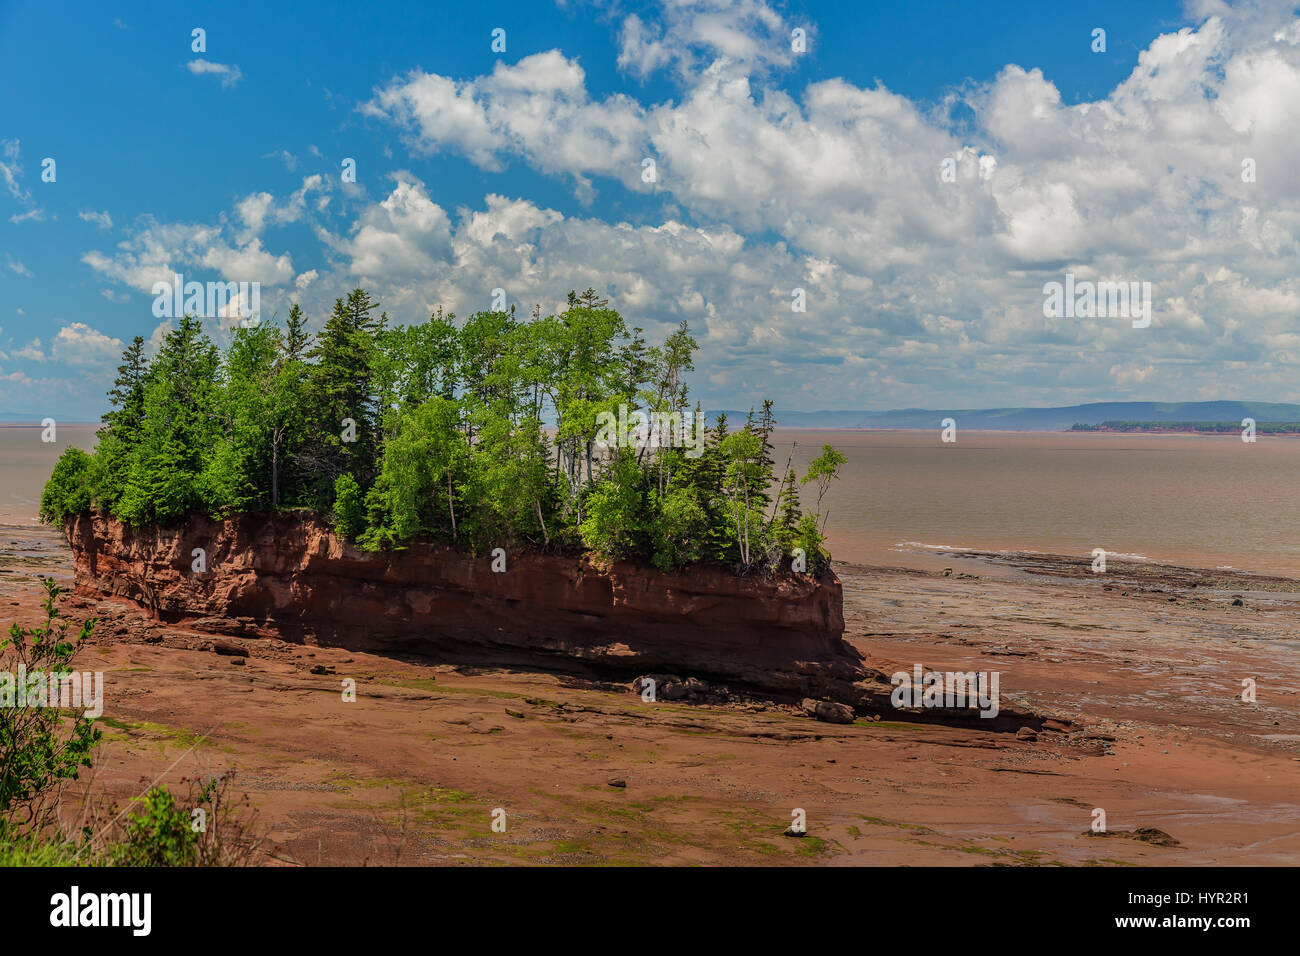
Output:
(289, 577)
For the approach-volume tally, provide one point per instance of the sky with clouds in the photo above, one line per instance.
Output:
(774, 169)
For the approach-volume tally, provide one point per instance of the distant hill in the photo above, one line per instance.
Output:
(1038, 419)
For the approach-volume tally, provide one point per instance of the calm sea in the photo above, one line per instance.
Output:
(25, 463)
(1204, 501)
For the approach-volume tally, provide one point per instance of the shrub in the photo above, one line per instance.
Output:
(678, 531)
(204, 829)
(40, 747)
(68, 490)
(809, 537)
(349, 510)
(160, 835)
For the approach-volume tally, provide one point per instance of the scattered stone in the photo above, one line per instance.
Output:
(1142, 834)
(1156, 838)
(514, 713)
(1026, 733)
(226, 649)
(321, 669)
(696, 688)
(790, 831)
(238, 661)
(828, 711)
(673, 690)
(618, 782)
(1238, 602)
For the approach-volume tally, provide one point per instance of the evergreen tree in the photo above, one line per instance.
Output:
(296, 337)
(790, 511)
(179, 429)
(343, 437)
(126, 397)
(437, 432)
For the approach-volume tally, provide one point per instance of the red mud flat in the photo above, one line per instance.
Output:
(1148, 665)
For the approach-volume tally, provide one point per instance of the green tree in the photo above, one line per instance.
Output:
(349, 512)
(824, 469)
(342, 435)
(68, 491)
(237, 475)
(742, 453)
(180, 427)
(296, 338)
(418, 489)
(613, 523)
(126, 397)
(481, 434)
(677, 530)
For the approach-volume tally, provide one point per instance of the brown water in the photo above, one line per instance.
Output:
(1203, 501)
(25, 463)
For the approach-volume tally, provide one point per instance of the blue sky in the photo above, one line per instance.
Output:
(817, 170)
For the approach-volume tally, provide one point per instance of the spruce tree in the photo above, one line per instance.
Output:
(127, 394)
(296, 337)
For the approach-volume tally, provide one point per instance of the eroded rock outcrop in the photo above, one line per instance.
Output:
(290, 576)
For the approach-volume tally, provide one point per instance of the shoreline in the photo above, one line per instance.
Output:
(1118, 566)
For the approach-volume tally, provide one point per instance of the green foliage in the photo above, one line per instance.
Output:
(613, 523)
(179, 430)
(822, 470)
(159, 834)
(40, 746)
(27, 850)
(341, 393)
(807, 536)
(421, 474)
(677, 534)
(203, 828)
(790, 510)
(349, 513)
(485, 432)
(68, 490)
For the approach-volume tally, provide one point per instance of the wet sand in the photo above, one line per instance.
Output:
(412, 771)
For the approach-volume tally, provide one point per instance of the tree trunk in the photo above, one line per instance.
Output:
(537, 507)
(275, 469)
(451, 507)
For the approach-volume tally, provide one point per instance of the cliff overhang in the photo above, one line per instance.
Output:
(288, 575)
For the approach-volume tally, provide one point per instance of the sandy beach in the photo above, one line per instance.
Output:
(1147, 661)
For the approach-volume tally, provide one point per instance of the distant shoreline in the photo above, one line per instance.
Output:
(1164, 430)
(25, 424)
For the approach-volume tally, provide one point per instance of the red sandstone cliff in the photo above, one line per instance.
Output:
(290, 576)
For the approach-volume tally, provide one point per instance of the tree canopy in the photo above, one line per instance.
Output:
(566, 432)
